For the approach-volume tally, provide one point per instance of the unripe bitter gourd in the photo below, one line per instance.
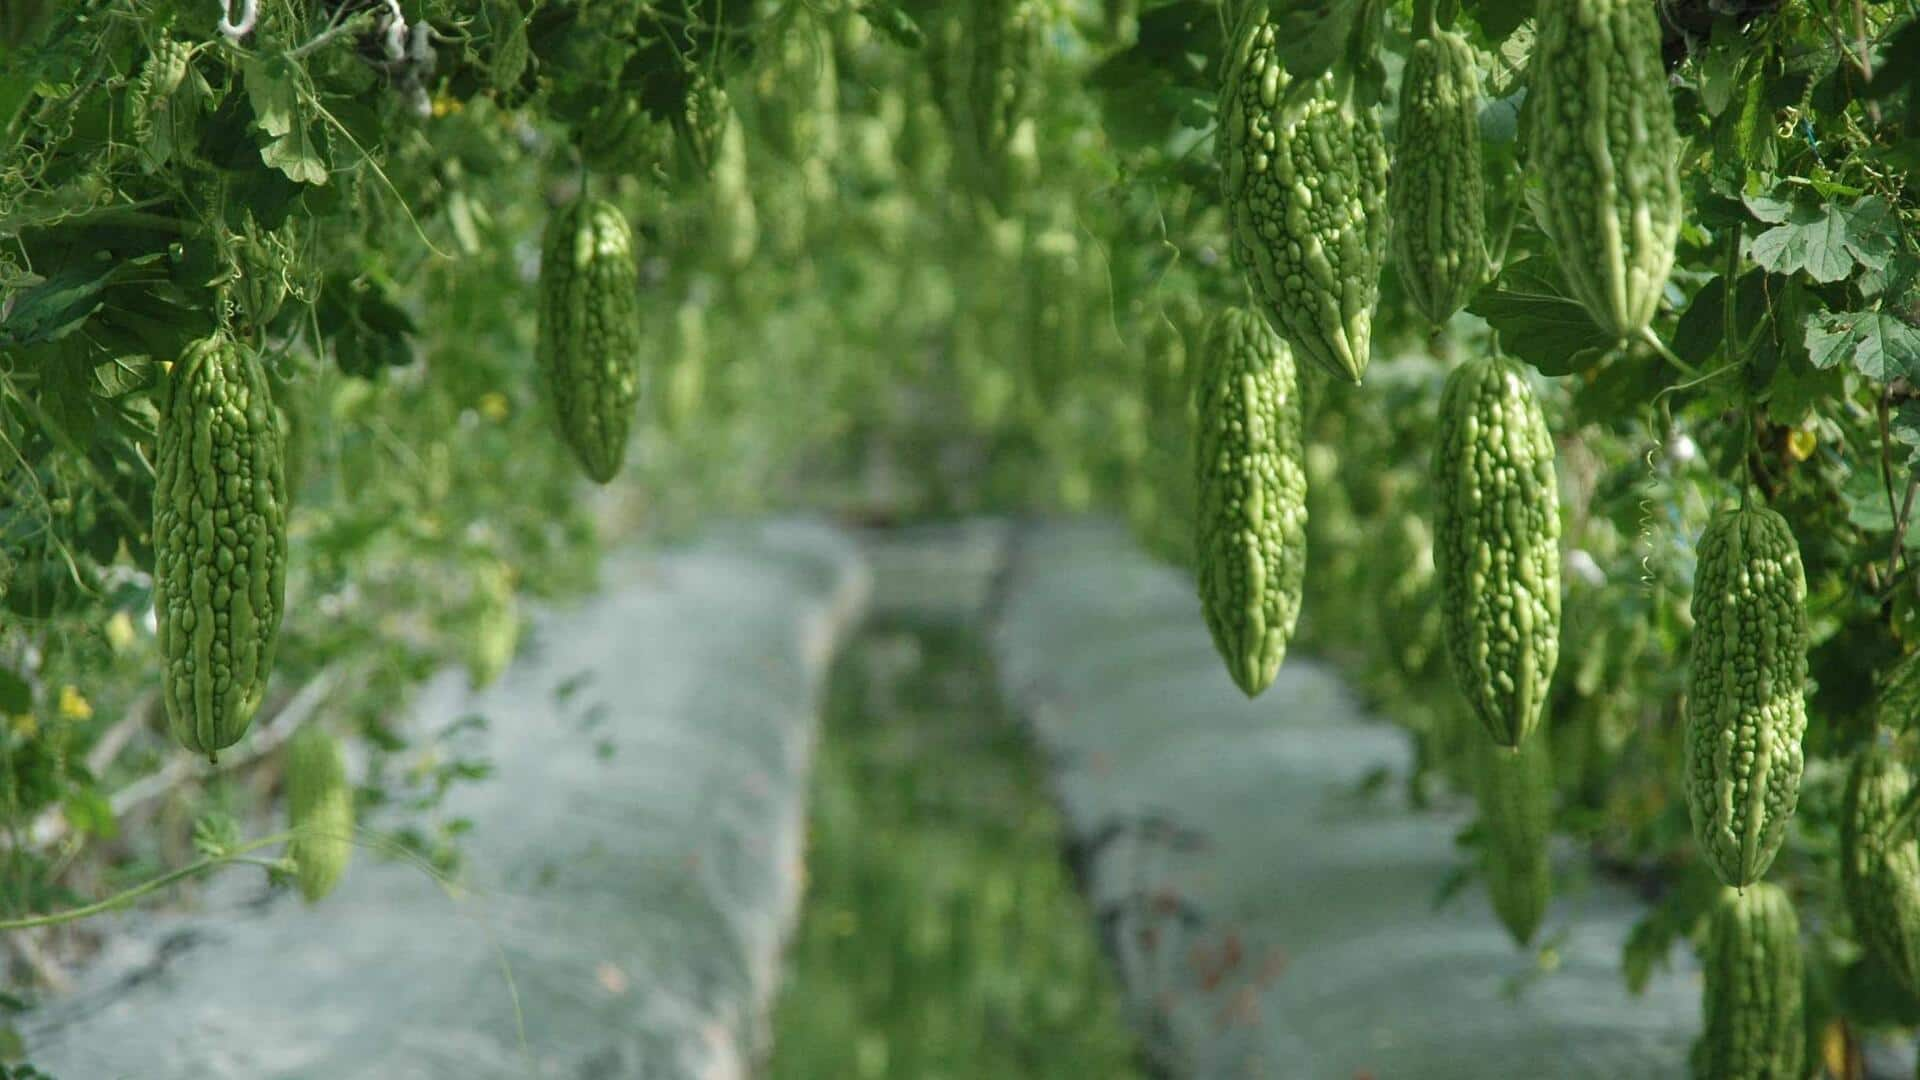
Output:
(1497, 544)
(1752, 1009)
(590, 331)
(1605, 155)
(219, 541)
(1745, 710)
(320, 810)
(1436, 194)
(1305, 189)
(1515, 793)
(1880, 871)
(1250, 478)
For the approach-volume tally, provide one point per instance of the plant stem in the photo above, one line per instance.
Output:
(121, 899)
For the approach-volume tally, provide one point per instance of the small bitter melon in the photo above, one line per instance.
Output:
(1250, 481)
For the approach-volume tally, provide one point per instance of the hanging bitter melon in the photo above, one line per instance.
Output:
(1880, 867)
(1497, 544)
(1251, 493)
(590, 331)
(1752, 1009)
(1436, 193)
(320, 810)
(1605, 155)
(1305, 188)
(1514, 787)
(1745, 709)
(219, 541)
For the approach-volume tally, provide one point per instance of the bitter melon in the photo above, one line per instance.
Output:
(620, 137)
(1251, 496)
(1497, 544)
(1160, 502)
(320, 811)
(734, 221)
(1753, 1027)
(1305, 189)
(982, 69)
(219, 541)
(1515, 794)
(1879, 869)
(1745, 710)
(1605, 155)
(703, 118)
(590, 331)
(1436, 194)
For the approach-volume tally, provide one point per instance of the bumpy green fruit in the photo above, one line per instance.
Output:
(683, 383)
(1515, 792)
(320, 810)
(621, 137)
(1160, 501)
(164, 104)
(219, 541)
(982, 70)
(1250, 481)
(799, 92)
(507, 32)
(734, 220)
(494, 631)
(590, 331)
(1436, 195)
(1497, 549)
(1879, 870)
(1305, 187)
(1605, 155)
(1123, 22)
(1752, 1009)
(1745, 710)
(704, 118)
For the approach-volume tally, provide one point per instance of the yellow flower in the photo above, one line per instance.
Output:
(25, 725)
(1800, 443)
(494, 406)
(120, 631)
(74, 704)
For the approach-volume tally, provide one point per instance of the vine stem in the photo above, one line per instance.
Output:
(122, 899)
(1900, 530)
(1729, 336)
(1653, 341)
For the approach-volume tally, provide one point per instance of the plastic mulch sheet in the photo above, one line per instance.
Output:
(634, 863)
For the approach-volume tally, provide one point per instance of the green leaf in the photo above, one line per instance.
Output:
(1770, 207)
(1865, 496)
(90, 813)
(1313, 34)
(294, 155)
(1813, 239)
(886, 17)
(1537, 322)
(1904, 426)
(57, 306)
(1873, 232)
(16, 696)
(1499, 18)
(1796, 388)
(271, 89)
(1828, 241)
(1874, 343)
